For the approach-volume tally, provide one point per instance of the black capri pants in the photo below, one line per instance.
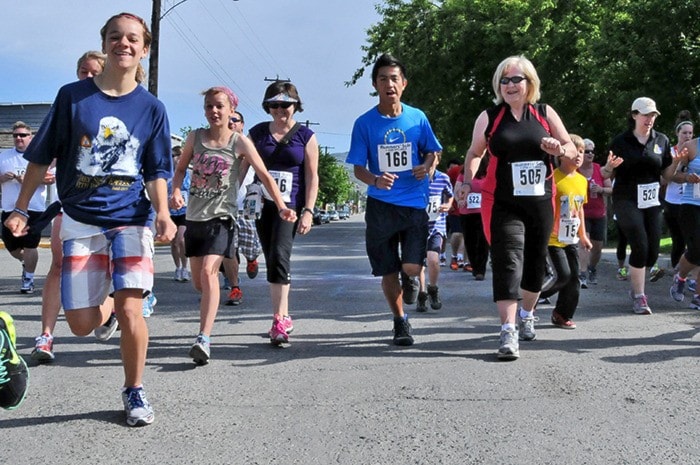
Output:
(276, 238)
(690, 227)
(642, 227)
(519, 237)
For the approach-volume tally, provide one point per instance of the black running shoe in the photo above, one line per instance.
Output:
(410, 287)
(402, 331)
(14, 375)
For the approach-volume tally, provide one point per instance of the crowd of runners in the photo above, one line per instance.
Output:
(529, 203)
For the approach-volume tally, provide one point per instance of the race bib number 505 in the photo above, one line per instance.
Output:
(529, 178)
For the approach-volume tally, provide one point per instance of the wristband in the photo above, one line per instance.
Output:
(376, 178)
(306, 209)
(21, 212)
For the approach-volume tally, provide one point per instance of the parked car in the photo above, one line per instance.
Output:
(344, 214)
(325, 218)
(321, 216)
(333, 215)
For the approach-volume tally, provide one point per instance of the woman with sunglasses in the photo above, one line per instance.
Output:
(290, 153)
(594, 213)
(522, 137)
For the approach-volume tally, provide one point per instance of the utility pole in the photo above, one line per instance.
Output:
(155, 43)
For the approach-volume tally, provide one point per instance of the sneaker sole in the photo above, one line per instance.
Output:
(42, 356)
(507, 357)
(233, 303)
(694, 306)
(658, 275)
(404, 341)
(199, 356)
(646, 311)
(140, 421)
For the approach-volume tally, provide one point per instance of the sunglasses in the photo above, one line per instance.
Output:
(20, 135)
(275, 105)
(514, 79)
(235, 120)
(588, 151)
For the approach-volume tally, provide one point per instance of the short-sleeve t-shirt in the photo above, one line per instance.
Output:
(383, 143)
(106, 149)
(571, 192)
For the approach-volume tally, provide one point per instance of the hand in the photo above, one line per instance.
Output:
(692, 178)
(165, 228)
(17, 224)
(305, 222)
(613, 162)
(49, 178)
(552, 146)
(385, 181)
(681, 156)
(176, 201)
(288, 214)
(596, 188)
(7, 176)
(420, 171)
(586, 243)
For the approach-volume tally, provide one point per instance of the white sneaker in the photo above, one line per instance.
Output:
(186, 277)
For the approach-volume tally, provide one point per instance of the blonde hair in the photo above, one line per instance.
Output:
(533, 81)
(578, 141)
(99, 57)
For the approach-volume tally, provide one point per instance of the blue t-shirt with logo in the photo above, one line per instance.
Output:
(106, 148)
(383, 143)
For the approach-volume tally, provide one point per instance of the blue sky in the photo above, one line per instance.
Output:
(315, 43)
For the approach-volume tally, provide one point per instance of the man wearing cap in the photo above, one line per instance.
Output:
(637, 160)
(12, 169)
(394, 151)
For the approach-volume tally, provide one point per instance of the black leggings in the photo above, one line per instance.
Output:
(691, 231)
(475, 242)
(642, 227)
(565, 262)
(671, 216)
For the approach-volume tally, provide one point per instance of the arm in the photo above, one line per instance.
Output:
(427, 168)
(311, 178)
(33, 178)
(475, 152)
(385, 181)
(583, 236)
(176, 200)
(559, 145)
(158, 193)
(245, 146)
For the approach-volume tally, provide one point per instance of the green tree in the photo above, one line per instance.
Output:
(334, 182)
(593, 58)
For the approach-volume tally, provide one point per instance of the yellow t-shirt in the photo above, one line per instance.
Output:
(571, 195)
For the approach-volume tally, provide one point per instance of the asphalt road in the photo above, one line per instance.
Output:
(620, 389)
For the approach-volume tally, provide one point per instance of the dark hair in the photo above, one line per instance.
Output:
(387, 60)
(240, 115)
(454, 161)
(684, 117)
(483, 166)
(282, 87)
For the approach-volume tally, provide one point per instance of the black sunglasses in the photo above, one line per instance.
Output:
(588, 151)
(276, 105)
(20, 135)
(235, 120)
(514, 79)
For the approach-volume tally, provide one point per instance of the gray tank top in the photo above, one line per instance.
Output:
(214, 181)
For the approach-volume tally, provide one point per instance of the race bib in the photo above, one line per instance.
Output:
(433, 207)
(252, 203)
(283, 179)
(474, 200)
(568, 230)
(529, 178)
(395, 157)
(648, 195)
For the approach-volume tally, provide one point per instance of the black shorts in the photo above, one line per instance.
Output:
(179, 220)
(597, 228)
(218, 236)
(435, 243)
(29, 241)
(454, 224)
(392, 229)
